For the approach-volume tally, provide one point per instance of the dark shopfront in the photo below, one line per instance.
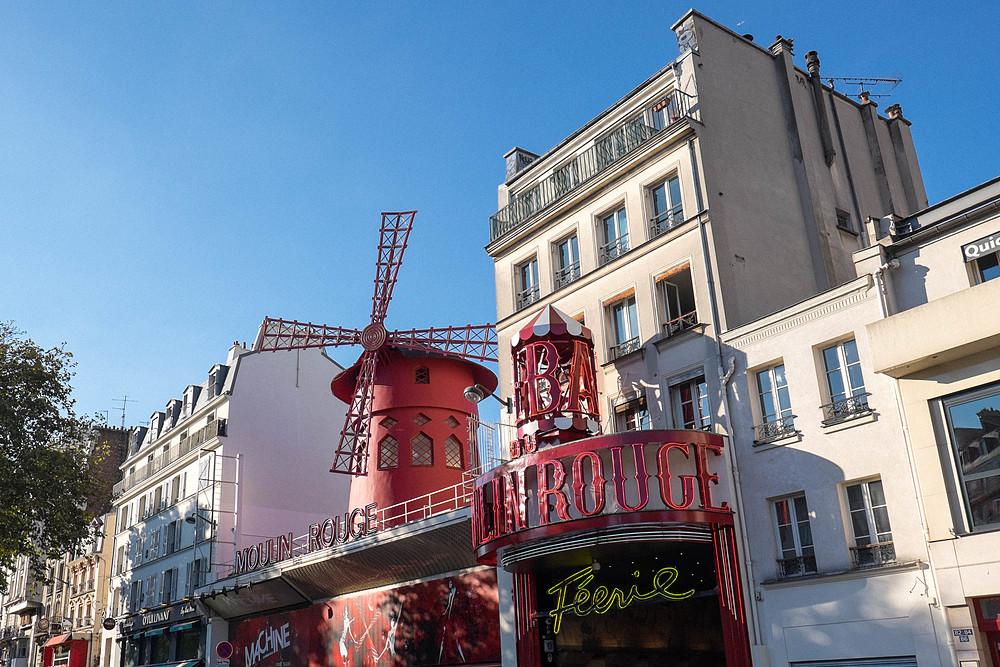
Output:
(169, 635)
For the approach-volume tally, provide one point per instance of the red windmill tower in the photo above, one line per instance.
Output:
(405, 391)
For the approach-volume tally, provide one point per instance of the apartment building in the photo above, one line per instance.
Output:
(226, 464)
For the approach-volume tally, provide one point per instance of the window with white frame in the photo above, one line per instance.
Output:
(632, 415)
(845, 383)
(795, 542)
(676, 293)
(527, 283)
(614, 236)
(665, 206)
(623, 322)
(973, 419)
(775, 405)
(567, 253)
(869, 520)
(988, 267)
(689, 402)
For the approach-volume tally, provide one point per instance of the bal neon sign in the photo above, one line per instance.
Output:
(573, 594)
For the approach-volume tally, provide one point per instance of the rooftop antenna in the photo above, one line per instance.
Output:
(869, 87)
(124, 400)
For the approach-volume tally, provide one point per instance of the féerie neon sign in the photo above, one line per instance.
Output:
(573, 595)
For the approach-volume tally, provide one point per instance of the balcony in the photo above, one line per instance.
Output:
(846, 409)
(621, 349)
(776, 429)
(602, 156)
(612, 250)
(796, 566)
(873, 555)
(568, 274)
(680, 324)
(527, 297)
(194, 441)
(664, 222)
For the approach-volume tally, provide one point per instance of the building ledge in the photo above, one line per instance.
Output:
(841, 575)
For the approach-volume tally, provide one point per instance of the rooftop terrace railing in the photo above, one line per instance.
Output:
(159, 462)
(600, 157)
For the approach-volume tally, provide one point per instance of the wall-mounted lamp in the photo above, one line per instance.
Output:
(193, 517)
(478, 393)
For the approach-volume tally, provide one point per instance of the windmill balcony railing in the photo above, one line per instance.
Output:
(846, 409)
(796, 566)
(664, 222)
(527, 297)
(568, 274)
(612, 250)
(774, 429)
(189, 444)
(873, 555)
(621, 349)
(680, 324)
(630, 136)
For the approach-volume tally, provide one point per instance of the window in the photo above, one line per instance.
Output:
(422, 375)
(167, 588)
(845, 384)
(988, 267)
(388, 453)
(795, 543)
(664, 112)
(158, 500)
(632, 416)
(624, 323)
(422, 450)
(869, 524)
(142, 508)
(689, 400)
(974, 427)
(777, 420)
(676, 291)
(614, 230)
(172, 536)
(453, 452)
(621, 141)
(665, 205)
(844, 221)
(567, 261)
(527, 283)
(421, 419)
(175, 490)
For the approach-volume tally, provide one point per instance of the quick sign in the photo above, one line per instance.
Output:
(983, 246)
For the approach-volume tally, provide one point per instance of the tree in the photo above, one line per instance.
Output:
(45, 476)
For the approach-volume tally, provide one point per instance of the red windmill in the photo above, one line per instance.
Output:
(403, 381)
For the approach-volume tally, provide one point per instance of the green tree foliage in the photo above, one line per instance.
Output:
(45, 463)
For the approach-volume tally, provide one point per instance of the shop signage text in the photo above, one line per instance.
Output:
(554, 377)
(269, 641)
(337, 530)
(559, 486)
(981, 247)
(573, 595)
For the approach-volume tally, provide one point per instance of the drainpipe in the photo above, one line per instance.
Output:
(812, 63)
(878, 281)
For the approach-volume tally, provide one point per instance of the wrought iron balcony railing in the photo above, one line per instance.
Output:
(773, 430)
(626, 347)
(873, 555)
(568, 274)
(192, 442)
(612, 250)
(845, 409)
(680, 324)
(605, 153)
(796, 566)
(527, 297)
(664, 222)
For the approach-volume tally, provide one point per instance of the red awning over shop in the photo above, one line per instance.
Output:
(58, 639)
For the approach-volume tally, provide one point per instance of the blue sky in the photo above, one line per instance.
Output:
(170, 173)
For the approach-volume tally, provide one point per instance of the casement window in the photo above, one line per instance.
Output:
(665, 206)
(844, 221)
(689, 402)
(388, 453)
(172, 536)
(527, 283)
(973, 420)
(869, 519)
(632, 416)
(623, 325)
(567, 253)
(422, 450)
(774, 403)
(795, 543)
(845, 383)
(453, 452)
(988, 267)
(614, 236)
(675, 289)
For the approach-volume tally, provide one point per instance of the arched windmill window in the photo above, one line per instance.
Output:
(388, 453)
(422, 375)
(453, 452)
(422, 450)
